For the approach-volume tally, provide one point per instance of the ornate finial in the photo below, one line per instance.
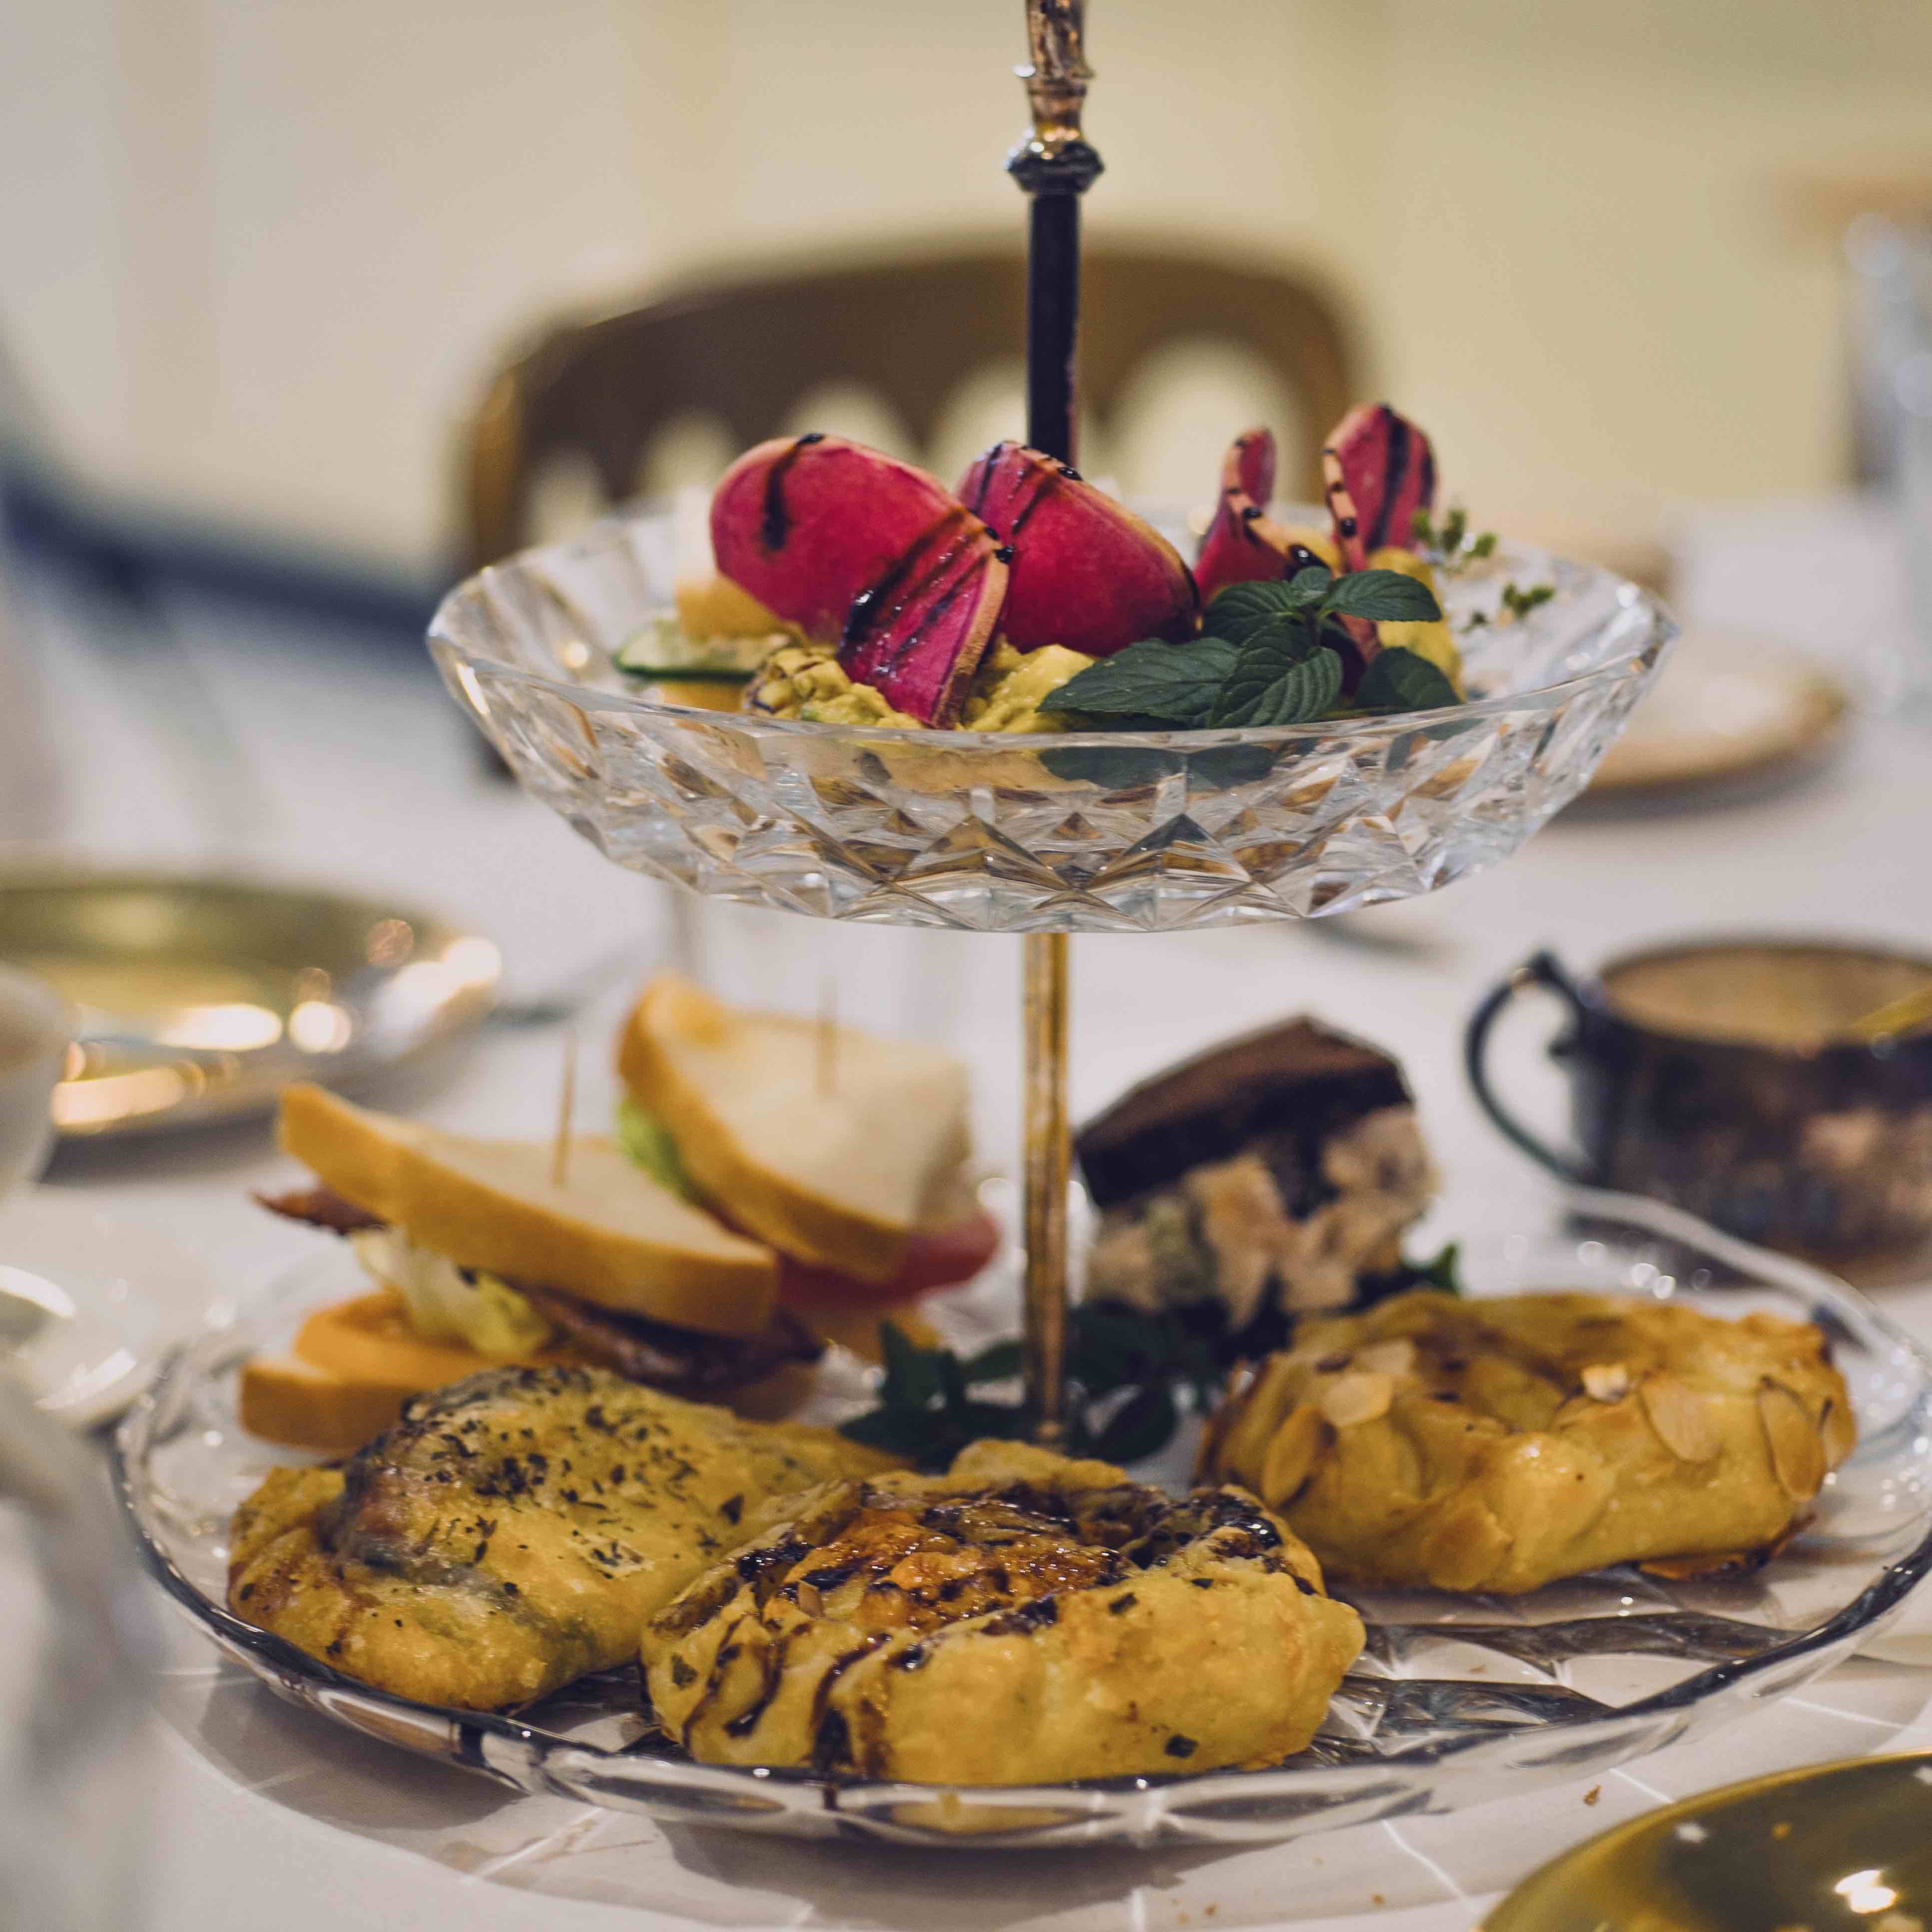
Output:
(1056, 154)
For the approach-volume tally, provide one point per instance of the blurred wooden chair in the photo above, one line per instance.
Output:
(911, 332)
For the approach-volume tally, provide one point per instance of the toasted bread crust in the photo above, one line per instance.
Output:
(830, 1234)
(354, 1364)
(358, 1154)
(465, 1200)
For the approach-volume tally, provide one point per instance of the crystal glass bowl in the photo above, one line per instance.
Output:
(1455, 1700)
(1066, 832)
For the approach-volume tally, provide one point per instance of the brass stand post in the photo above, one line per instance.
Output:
(1048, 1158)
(1055, 166)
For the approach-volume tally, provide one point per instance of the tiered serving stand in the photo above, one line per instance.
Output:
(1047, 836)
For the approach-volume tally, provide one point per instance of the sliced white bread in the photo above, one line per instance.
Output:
(355, 1363)
(832, 1157)
(610, 1234)
(285, 1398)
(353, 1367)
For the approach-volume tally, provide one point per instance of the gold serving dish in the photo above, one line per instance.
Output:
(1730, 710)
(197, 997)
(1826, 1847)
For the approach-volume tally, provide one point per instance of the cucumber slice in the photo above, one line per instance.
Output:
(661, 650)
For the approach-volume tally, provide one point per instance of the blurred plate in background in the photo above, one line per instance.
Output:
(1727, 707)
(119, 1296)
(1830, 1846)
(198, 997)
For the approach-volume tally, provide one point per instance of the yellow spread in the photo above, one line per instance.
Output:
(1009, 693)
(1434, 640)
(446, 1304)
(806, 681)
(1011, 689)
(715, 607)
(1319, 542)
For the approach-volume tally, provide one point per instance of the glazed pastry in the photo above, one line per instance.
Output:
(512, 1532)
(1024, 1618)
(1286, 1163)
(1498, 1444)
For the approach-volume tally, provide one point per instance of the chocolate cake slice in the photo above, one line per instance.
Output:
(1288, 1161)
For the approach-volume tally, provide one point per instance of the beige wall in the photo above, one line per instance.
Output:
(256, 253)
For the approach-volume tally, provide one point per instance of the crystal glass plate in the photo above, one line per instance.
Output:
(1067, 831)
(1455, 1700)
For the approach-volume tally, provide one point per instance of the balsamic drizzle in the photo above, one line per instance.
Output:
(1398, 444)
(949, 535)
(775, 525)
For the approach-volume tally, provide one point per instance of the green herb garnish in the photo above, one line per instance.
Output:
(1442, 1271)
(1174, 684)
(1270, 653)
(1449, 543)
(648, 1141)
(1125, 1369)
(1519, 603)
(1402, 680)
(1130, 1374)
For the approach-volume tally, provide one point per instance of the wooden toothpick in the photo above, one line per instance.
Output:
(828, 1036)
(566, 1108)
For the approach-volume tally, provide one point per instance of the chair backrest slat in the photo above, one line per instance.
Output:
(910, 330)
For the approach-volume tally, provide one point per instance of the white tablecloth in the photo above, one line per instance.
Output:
(358, 773)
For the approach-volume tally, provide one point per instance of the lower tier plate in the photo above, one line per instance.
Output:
(1455, 1700)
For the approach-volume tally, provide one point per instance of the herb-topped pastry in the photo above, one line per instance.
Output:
(511, 1532)
(1499, 1444)
(1025, 1618)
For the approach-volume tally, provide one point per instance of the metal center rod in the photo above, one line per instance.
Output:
(1053, 322)
(1055, 166)
(1049, 1164)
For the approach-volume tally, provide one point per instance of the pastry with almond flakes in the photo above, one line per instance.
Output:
(1500, 1443)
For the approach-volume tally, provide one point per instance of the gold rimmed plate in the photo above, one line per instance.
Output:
(1728, 709)
(198, 997)
(1455, 1700)
(1828, 1847)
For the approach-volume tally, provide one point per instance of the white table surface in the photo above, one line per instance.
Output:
(358, 774)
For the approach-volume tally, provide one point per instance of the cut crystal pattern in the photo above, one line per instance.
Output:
(1089, 831)
(1454, 1699)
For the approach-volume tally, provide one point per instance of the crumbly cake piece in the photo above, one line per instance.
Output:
(1287, 1162)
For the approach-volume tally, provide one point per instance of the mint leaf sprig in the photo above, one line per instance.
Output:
(1517, 604)
(1131, 1374)
(1270, 653)
(1520, 602)
(1449, 544)
(1126, 1371)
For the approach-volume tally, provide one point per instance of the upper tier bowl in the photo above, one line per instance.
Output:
(1087, 832)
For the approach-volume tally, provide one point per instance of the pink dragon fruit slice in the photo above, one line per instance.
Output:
(1242, 545)
(859, 549)
(1248, 465)
(1379, 470)
(805, 524)
(1085, 571)
(916, 634)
